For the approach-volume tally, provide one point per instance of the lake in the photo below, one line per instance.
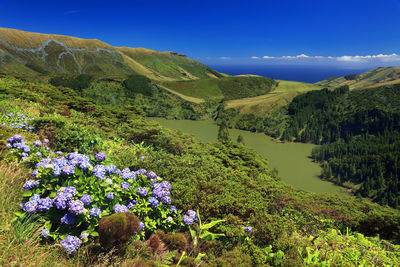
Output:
(290, 159)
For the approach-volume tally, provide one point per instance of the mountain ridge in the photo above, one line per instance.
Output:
(34, 54)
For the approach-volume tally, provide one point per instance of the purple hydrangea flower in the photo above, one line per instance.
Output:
(60, 201)
(68, 169)
(69, 192)
(248, 229)
(111, 168)
(71, 244)
(153, 202)
(86, 199)
(35, 197)
(141, 191)
(30, 206)
(45, 233)
(173, 209)
(191, 214)
(44, 204)
(39, 154)
(35, 173)
(151, 175)
(166, 200)
(99, 171)
(141, 225)
(95, 212)
(68, 218)
(131, 203)
(46, 141)
(76, 207)
(125, 186)
(8, 146)
(100, 156)
(28, 185)
(84, 236)
(120, 208)
(110, 195)
(187, 220)
(37, 143)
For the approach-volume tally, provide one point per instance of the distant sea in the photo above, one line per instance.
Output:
(310, 74)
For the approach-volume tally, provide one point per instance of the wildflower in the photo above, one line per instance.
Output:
(76, 207)
(120, 208)
(153, 202)
(44, 204)
(100, 156)
(86, 199)
(248, 229)
(170, 219)
(141, 191)
(173, 209)
(71, 244)
(45, 233)
(30, 206)
(141, 225)
(68, 218)
(95, 212)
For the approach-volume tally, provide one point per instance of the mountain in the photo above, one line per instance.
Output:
(36, 54)
(374, 78)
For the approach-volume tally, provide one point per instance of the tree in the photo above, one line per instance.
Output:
(223, 133)
(240, 139)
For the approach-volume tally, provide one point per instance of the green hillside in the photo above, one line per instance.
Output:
(35, 55)
(222, 180)
(223, 88)
(374, 78)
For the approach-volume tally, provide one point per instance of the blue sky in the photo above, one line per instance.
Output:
(338, 32)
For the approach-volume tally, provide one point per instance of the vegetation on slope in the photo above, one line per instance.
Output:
(224, 181)
(226, 88)
(37, 56)
(374, 78)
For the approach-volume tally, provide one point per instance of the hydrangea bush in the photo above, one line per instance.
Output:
(72, 192)
(16, 121)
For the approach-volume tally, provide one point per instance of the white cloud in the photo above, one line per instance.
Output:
(254, 57)
(268, 57)
(224, 58)
(302, 56)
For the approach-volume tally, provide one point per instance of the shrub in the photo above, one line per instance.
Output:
(116, 229)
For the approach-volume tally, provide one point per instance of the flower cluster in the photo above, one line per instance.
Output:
(248, 229)
(16, 121)
(75, 193)
(189, 217)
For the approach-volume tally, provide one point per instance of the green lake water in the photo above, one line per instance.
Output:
(290, 159)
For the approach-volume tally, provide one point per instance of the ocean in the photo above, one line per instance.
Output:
(310, 74)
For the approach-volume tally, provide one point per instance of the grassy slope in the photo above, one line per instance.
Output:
(225, 87)
(64, 54)
(279, 97)
(369, 79)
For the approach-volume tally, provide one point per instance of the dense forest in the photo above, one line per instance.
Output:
(359, 131)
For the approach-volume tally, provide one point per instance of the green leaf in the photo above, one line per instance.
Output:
(94, 234)
(211, 224)
(27, 193)
(199, 256)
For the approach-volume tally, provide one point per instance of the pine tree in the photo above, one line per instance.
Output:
(223, 133)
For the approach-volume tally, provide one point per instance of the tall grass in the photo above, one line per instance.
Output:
(20, 242)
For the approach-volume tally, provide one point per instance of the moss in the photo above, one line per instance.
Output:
(115, 230)
(173, 241)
